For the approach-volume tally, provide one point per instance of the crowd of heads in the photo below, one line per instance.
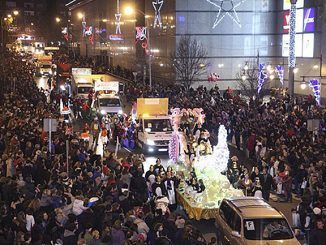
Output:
(49, 197)
(93, 200)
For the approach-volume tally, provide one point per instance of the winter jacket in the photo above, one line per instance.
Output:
(78, 207)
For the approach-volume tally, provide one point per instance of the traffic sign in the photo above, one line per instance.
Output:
(50, 124)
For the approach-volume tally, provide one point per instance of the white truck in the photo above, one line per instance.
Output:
(44, 68)
(154, 129)
(82, 85)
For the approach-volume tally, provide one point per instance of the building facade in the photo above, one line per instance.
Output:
(234, 33)
(36, 18)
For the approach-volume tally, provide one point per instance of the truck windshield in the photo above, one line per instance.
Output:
(46, 66)
(109, 102)
(83, 90)
(267, 229)
(157, 125)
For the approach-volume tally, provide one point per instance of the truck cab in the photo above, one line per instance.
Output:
(83, 89)
(154, 129)
(109, 104)
(154, 133)
(45, 68)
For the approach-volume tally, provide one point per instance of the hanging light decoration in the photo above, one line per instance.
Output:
(315, 87)
(292, 33)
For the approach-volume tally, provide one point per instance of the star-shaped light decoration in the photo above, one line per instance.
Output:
(157, 5)
(226, 7)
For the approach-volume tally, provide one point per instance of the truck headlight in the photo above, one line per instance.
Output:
(150, 142)
(103, 112)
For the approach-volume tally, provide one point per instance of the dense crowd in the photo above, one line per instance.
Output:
(88, 200)
(94, 200)
(286, 157)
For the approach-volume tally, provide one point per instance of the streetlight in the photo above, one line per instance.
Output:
(57, 19)
(80, 15)
(129, 11)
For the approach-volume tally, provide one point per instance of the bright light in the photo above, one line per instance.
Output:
(244, 78)
(239, 65)
(201, 65)
(120, 112)
(57, 19)
(104, 20)
(316, 67)
(62, 87)
(150, 149)
(161, 65)
(246, 67)
(220, 65)
(103, 112)
(4, 19)
(9, 15)
(295, 70)
(269, 67)
(32, 23)
(150, 142)
(129, 10)
(15, 12)
(303, 86)
(80, 15)
(271, 77)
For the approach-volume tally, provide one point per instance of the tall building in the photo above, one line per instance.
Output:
(36, 18)
(234, 33)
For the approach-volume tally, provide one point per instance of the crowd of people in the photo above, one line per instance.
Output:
(92, 200)
(47, 199)
(286, 156)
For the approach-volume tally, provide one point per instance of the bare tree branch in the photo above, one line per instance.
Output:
(248, 80)
(189, 60)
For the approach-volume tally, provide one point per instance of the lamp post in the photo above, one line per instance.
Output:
(293, 11)
(130, 11)
(3, 19)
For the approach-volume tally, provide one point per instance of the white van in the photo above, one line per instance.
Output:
(108, 104)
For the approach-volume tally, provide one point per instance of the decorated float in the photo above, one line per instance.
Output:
(199, 165)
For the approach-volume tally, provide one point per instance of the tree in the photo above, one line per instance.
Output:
(247, 79)
(189, 60)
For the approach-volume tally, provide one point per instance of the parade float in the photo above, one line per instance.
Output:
(199, 165)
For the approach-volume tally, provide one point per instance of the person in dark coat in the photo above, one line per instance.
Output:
(266, 181)
(138, 187)
(318, 235)
(69, 236)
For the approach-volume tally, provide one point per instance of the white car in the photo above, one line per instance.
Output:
(109, 104)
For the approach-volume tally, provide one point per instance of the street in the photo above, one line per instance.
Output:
(207, 227)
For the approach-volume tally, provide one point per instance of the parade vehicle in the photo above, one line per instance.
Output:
(108, 104)
(154, 129)
(82, 85)
(45, 68)
(251, 220)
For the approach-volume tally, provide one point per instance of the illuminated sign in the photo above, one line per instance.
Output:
(25, 37)
(287, 4)
(299, 21)
(116, 37)
(81, 71)
(309, 20)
